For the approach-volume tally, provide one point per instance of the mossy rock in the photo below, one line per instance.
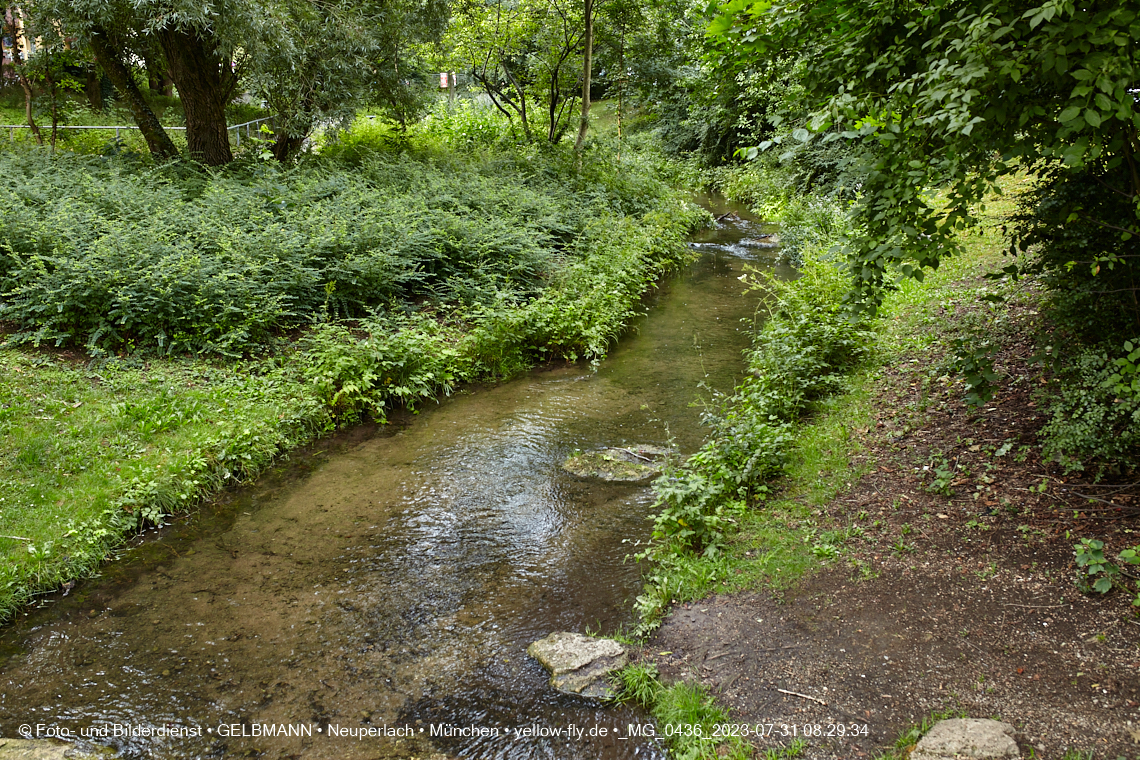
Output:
(622, 464)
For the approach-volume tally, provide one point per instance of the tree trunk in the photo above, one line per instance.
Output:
(205, 82)
(284, 146)
(107, 55)
(587, 64)
(18, 67)
(520, 93)
(94, 89)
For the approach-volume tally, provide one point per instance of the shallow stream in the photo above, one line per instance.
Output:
(390, 580)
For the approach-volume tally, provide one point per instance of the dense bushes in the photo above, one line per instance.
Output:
(1094, 413)
(176, 258)
(1067, 225)
(398, 359)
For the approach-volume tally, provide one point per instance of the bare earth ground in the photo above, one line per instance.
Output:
(962, 603)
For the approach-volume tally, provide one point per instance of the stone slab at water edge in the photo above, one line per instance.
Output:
(627, 464)
(47, 749)
(968, 739)
(579, 664)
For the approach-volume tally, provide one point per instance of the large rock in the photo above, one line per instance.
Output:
(45, 749)
(967, 739)
(627, 464)
(579, 664)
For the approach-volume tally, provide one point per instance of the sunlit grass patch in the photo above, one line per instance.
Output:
(88, 453)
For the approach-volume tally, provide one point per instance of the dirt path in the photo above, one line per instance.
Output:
(958, 596)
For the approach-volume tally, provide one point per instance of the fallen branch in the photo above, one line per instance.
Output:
(1035, 606)
(18, 538)
(803, 696)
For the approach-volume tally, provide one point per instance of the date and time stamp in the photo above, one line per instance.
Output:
(720, 731)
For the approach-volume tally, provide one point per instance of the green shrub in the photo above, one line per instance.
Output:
(398, 359)
(401, 360)
(464, 124)
(176, 258)
(1093, 420)
(803, 353)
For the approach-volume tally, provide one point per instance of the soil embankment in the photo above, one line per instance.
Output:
(956, 593)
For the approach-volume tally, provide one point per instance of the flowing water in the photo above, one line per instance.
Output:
(390, 581)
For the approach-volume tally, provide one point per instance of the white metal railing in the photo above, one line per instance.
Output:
(236, 127)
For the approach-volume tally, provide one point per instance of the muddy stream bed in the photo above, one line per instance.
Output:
(389, 580)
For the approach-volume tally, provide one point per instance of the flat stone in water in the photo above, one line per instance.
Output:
(579, 664)
(626, 464)
(967, 738)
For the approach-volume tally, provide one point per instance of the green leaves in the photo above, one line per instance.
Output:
(1090, 558)
(803, 353)
(953, 87)
(220, 263)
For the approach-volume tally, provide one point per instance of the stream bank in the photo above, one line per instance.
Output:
(919, 559)
(398, 583)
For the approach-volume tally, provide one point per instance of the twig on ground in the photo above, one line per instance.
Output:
(804, 696)
(1035, 606)
(18, 538)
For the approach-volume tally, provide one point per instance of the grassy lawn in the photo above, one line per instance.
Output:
(87, 453)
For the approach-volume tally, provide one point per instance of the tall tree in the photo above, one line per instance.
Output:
(524, 55)
(107, 53)
(587, 70)
(312, 61)
(15, 30)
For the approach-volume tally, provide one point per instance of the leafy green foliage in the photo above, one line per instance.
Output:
(1091, 423)
(1125, 379)
(974, 362)
(175, 259)
(952, 94)
(1090, 559)
(803, 353)
(403, 358)
(309, 63)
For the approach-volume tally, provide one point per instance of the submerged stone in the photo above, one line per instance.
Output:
(626, 464)
(579, 664)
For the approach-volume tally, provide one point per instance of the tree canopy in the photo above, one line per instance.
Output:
(955, 94)
(311, 62)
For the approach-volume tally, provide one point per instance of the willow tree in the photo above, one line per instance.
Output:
(525, 55)
(310, 61)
